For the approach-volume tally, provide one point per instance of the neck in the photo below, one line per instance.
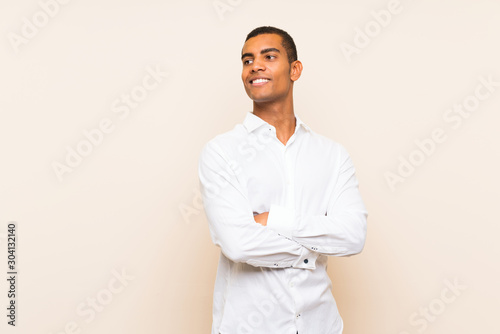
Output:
(278, 114)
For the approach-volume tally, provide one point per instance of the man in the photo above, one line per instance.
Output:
(279, 199)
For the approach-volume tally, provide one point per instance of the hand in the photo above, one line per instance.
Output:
(261, 218)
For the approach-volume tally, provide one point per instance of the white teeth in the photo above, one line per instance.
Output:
(260, 80)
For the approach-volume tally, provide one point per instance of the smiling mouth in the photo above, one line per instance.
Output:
(259, 82)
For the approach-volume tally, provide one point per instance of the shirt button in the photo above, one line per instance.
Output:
(306, 261)
(292, 284)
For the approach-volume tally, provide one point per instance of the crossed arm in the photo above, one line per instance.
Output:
(266, 240)
(261, 218)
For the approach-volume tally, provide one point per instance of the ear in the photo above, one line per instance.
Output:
(295, 70)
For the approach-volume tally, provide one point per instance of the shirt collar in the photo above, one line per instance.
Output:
(253, 122)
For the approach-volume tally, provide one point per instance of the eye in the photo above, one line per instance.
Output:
(270, 57)
(247, 61)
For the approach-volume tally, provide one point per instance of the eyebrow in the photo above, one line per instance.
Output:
(249, 54)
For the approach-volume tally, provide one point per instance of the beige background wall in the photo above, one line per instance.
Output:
(130, 207)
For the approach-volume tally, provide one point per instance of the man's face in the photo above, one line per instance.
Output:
(266, 71)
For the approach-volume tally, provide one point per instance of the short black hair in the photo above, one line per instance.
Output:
(286, 40)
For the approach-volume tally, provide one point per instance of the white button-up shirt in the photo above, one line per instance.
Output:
(272, 279)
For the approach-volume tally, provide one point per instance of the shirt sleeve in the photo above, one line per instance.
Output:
(231, 223)
(342, 231)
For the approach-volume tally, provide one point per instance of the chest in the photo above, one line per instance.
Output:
(298, 176)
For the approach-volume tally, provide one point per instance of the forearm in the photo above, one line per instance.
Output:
(340, 230)
(254, 244)
(339, 235)
(232, 225)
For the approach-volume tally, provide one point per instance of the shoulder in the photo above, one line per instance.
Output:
(326, 144)
(224, 143)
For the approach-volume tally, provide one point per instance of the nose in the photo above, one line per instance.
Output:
(257, 65)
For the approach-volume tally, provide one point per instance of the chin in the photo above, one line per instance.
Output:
(260, 98)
